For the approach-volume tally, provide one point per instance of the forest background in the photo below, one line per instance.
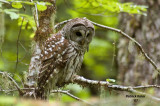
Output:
(111, 57)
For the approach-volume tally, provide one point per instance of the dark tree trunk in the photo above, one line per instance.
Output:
(133, 68)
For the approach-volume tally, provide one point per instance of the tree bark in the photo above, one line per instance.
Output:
(133, 68)
(44, 29)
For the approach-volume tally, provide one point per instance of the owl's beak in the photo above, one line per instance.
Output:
(82, 41)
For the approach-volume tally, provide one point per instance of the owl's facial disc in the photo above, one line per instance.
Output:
(81, 35)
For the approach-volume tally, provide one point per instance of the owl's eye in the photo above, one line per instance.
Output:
(78, 34)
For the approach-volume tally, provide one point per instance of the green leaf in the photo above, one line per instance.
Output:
(111, 80)
(12, 14)
(16, 4)
(28, 21)
(41, 6)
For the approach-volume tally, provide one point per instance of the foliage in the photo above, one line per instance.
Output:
(102, 7)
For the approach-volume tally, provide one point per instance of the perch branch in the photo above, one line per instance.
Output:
(122, 33)
(69, 94)
(86, 82)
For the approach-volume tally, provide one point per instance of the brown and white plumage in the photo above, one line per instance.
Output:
(63, 55)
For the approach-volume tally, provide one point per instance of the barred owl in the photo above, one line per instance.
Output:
(63, 55)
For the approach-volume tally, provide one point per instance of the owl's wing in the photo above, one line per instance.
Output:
(52, 58)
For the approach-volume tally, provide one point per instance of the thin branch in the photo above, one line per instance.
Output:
(20, 79)
(147, 95)
(86, 82)
(130, 38)
(69, 94)
(37, 22)
(57, 26)
(14, 82)
(36, 15)
(23, 46)
(1, 90)
(20, 60)
(4, 1)
(147, 86)
(18, 42)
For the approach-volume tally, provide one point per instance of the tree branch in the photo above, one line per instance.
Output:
(59, 25)
(35, 14)
(1, 90)
(130, 38)
(147, 95)
(18, 43)
(69, 94)
(147, 86)
(14, 82)
(86, 82)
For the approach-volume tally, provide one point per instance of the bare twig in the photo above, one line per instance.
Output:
(20, 60)
(20, 79)
(57, 26)
(69, 94)
(18, 42)
(147, 86)
(3, 1)
(1, 90)
(130, 38)
(147, 95)
(86, 82)
(36, 15)
(14, 82)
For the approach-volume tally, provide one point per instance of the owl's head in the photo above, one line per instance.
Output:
(80, 31)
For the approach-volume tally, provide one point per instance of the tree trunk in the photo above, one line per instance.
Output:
(133, 68)
(44, 29)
